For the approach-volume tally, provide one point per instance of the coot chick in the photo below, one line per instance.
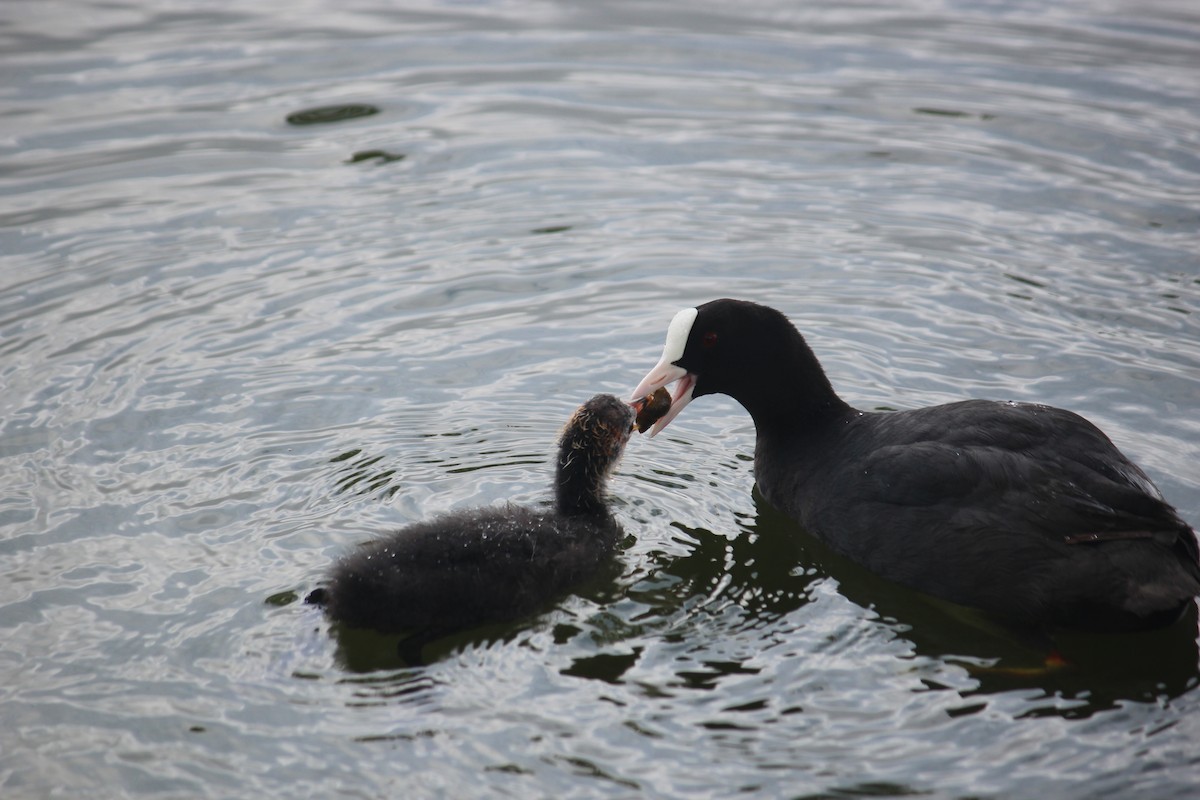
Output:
(1024, 511)
(494, 564)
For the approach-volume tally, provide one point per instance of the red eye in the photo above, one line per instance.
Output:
(709, 339)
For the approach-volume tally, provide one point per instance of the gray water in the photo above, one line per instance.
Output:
(230, 350)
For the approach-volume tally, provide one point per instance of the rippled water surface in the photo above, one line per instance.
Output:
(233, 345)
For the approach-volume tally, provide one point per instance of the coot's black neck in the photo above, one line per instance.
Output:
(579, 481)
(789, 396)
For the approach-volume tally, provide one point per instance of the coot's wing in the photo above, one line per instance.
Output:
(1046, 494)
(1032, 461)
(1030, 512)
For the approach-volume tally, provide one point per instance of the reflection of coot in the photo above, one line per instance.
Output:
(1024, 511)
(491, 564)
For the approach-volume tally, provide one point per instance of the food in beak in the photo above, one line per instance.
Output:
(651, 408)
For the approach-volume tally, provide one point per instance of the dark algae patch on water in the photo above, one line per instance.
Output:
(338, 113)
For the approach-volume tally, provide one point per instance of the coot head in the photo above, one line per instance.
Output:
(590, 446)
(747, 351)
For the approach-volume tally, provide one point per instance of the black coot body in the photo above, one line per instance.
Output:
(1025, 511)
(492, 564)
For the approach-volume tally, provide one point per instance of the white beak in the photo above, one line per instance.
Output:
(660, 376)
(665, 371)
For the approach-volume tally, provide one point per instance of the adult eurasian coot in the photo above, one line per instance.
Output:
(1024, 511)
(491, 564)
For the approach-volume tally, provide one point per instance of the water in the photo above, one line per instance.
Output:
(229, 351)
